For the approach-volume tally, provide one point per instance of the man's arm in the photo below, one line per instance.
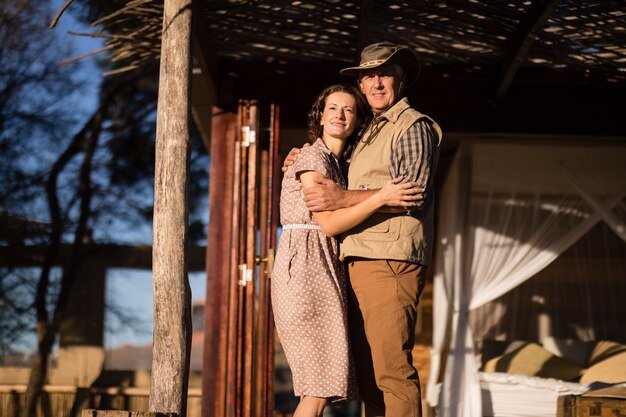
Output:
(325, 195)
(291, 157)
(393, 193)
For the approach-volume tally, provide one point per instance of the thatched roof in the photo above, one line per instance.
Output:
(588, 38)
(568, 35)
(492, 44)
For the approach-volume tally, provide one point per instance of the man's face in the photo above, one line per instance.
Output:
(381, 86)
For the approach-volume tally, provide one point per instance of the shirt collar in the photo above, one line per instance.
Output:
(393, 113)
(320, 144)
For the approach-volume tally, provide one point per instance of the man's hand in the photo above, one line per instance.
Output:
(291, 157)
(325, 196)
(400, 194)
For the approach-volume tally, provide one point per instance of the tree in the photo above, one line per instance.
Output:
(33, 93)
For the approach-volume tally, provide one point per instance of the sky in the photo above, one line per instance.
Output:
(81, 44)
(134, 288)
(126, 287)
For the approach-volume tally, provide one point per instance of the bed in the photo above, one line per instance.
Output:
(526, 378)
(531, 243)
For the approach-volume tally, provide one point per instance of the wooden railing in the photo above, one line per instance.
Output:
(68, 401)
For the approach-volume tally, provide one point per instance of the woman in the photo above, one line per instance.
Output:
(308, 281)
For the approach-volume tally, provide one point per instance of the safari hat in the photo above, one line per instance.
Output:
(381, 53)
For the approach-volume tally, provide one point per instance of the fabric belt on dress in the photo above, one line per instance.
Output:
(302, 226)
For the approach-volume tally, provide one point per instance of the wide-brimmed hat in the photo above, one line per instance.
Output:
(381, 53)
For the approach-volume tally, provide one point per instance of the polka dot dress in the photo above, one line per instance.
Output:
(309, 290)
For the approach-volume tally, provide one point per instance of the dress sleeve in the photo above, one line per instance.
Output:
(414, 157)
(311, 158)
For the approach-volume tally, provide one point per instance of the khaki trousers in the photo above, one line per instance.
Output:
(383, 299)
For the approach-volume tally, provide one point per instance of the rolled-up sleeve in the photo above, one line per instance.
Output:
(414, 157)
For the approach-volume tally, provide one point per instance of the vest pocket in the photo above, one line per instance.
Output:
(378, 227)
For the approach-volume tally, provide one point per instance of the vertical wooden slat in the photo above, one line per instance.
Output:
(249, 284)
(260, 366)
(233, 287)
(246, 328)
(273, 195)
(264, 346)
(241, 245)
(241, 258)
(218, 263)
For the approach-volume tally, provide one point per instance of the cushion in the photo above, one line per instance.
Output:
(573, 350)
(611, 370)
(604, 349)
(491, 348)
(533, 360)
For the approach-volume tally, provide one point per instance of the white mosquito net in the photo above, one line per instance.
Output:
(531, 243)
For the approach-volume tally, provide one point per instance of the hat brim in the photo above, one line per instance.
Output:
(403, 57)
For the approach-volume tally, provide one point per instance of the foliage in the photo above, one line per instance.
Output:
(33, 99)
(41, 112)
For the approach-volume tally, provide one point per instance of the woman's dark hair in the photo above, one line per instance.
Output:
(315, 114)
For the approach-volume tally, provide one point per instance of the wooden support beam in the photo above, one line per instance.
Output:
(117, 413)
(536, 18)
(365, 27)
(115, 256)
(203, 51)
(207, 90)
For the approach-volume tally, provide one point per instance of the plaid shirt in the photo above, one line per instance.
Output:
(414, 157)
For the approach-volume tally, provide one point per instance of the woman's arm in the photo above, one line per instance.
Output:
(334, 222)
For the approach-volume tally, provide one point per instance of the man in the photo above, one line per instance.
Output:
(387, 255)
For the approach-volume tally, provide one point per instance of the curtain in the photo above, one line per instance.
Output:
(506, 212)
(578, 297)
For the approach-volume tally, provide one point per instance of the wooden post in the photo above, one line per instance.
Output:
(172, 295)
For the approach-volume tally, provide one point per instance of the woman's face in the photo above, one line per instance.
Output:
(339, 116)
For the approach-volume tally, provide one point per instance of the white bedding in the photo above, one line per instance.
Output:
(507, 395)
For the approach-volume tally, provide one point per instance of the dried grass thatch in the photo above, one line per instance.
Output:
(583, 38)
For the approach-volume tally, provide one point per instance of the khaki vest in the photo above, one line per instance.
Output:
(385, 235)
